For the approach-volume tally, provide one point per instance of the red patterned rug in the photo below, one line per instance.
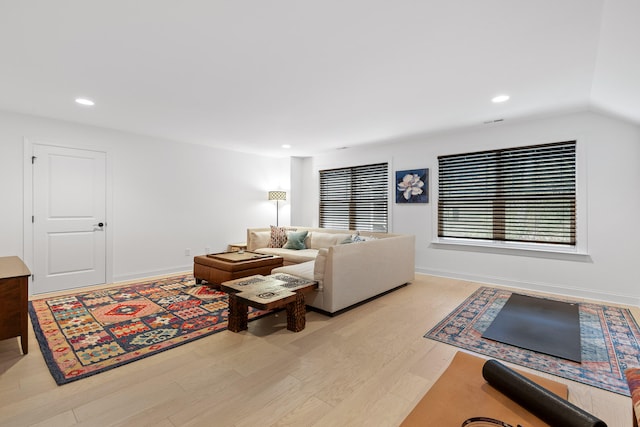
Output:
(610, 340)
(87, 333)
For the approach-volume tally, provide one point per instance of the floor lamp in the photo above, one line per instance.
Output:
(277, 196)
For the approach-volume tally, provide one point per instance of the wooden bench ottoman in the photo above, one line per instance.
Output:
(218, 268)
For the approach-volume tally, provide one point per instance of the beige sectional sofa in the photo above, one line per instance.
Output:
(347, 273)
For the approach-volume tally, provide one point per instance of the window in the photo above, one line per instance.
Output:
(355, 198)
(525, 194)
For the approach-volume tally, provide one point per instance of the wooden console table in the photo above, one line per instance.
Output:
(234, 247)
(14, 310)
(461, 393)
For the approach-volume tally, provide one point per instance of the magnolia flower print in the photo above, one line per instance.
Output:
(411, 185)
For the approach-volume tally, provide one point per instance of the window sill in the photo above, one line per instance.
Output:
(569, 253)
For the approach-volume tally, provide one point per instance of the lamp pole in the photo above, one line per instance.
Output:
(277, 196)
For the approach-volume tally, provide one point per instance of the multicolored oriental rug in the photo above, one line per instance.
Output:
(87, 333)
(610, 340)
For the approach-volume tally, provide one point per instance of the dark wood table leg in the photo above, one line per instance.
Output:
(24, 336)
(24, 341)
(296, 314)
(214, 286)
(238, 312)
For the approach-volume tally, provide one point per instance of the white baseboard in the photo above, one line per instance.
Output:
(153, 273)
(539, 287)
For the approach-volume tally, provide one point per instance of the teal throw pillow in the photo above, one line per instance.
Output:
(355, 238)
(295, 240)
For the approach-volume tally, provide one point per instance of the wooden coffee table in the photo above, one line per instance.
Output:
(221, 267)
(268, 293)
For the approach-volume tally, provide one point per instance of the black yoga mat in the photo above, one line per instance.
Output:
(544, 404)
(538, 324)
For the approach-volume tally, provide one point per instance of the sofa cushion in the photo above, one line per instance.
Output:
(324, 240)
(279, 236)
(259, 239)
(290, 256)
(295, 240)
(304, 270)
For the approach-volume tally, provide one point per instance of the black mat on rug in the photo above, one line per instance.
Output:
(542, 325)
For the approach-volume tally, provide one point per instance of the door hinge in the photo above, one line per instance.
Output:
(33, 159)
(33, 219)
(33, 277)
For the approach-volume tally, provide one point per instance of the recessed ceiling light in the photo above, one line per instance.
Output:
(85, 101)
(500, 98)
(286, 146)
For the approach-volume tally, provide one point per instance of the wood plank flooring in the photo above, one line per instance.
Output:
(366, 367)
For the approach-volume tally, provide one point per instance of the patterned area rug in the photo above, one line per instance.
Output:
(609, 336)
(87, 333)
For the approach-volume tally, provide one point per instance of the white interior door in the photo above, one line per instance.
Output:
(69, 207)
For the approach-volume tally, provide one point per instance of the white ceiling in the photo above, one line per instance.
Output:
(254, 74)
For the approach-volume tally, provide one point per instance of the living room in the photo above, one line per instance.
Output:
(168, 199)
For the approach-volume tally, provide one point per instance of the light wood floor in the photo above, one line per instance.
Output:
(366, 367)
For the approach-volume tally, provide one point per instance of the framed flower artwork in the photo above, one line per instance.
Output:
(412, 186)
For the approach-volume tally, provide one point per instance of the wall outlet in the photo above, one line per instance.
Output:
(207, 251)
(187, 252)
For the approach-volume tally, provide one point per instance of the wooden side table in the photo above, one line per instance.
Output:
(235, 247)
(14, 309)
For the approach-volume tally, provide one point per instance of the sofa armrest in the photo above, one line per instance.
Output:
(357, 271)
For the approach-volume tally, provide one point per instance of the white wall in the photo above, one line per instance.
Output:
(612, 161)
(167, 196)
(297, 189)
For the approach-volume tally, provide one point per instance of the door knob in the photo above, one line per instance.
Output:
(100, 224)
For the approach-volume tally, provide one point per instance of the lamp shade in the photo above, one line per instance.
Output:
(277, 195)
